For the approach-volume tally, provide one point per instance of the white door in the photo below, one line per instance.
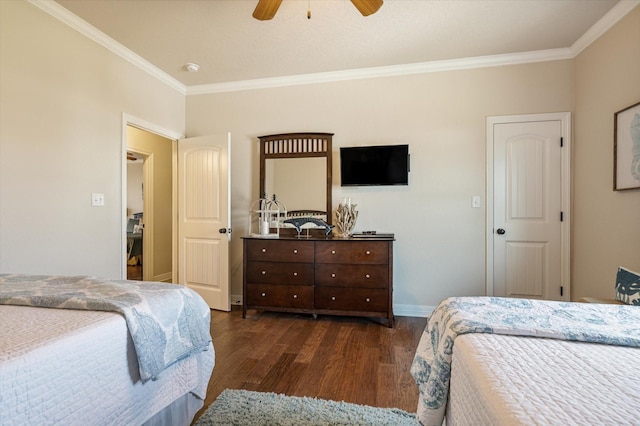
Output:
(204, 217)
(528, 232)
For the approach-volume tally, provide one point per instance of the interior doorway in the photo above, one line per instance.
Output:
(148, 203)
(528, 206)
(135, 214)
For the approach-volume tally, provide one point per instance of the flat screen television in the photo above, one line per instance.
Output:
(374, 165)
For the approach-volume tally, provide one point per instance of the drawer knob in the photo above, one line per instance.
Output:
(263, 294)
(333, 252)
(368, 300)
(333, 298)
(295, 296)
(264, 272)
(367, 252)
(367, 276)
(295, 251)
(333, 275)
(264, 250)
(295, 274)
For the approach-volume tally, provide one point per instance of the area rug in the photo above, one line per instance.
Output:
(241, 407)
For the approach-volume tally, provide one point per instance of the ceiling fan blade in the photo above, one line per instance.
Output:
(367, 7)
(266, 9)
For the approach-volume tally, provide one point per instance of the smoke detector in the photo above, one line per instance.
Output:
(192, 67)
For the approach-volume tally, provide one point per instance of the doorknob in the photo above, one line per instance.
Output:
(224, 230)
(500, 231)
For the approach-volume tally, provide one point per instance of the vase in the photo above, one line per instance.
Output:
(346, 216)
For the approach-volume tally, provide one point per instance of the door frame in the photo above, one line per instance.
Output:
(565, 176)
(130, 120)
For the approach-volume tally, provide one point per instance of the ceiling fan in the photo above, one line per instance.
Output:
(266, 9)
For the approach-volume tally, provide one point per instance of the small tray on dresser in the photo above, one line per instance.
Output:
(372, 234)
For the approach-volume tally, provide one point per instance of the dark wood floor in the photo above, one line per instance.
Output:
(340, 358)
(134, 272)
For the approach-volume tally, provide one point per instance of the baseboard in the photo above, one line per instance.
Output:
(412, 310)
(398, 310)
(163, 278)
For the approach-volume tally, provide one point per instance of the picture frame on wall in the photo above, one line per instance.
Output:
(626, 148)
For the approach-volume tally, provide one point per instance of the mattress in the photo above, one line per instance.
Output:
(508, 380)
(71, 367)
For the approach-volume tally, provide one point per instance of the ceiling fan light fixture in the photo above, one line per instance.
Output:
(266, 9)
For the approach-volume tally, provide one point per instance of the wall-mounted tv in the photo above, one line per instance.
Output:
(374, 165)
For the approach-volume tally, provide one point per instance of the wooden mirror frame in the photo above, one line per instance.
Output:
(298, 145)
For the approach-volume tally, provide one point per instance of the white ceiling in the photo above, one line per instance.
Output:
(231, 46)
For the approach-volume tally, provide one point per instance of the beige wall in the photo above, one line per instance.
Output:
(160, 154)
(62, 99)
(439, 250)
(606, 223)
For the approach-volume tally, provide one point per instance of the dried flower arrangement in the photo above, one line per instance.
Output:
(346, 216)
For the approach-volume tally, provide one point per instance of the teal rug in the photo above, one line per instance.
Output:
(241, 407)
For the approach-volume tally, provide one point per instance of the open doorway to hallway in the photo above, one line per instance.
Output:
(135, 215)
(149, 205)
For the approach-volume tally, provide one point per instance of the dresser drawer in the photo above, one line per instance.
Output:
(372, 252)
(281, 296)
(352, 299)
(289, 273)
(280, 251)
(341, 275)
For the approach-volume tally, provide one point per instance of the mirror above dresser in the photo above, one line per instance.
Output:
(296, 167)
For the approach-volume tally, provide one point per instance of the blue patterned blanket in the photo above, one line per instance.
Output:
(431, 368)
(167, 322)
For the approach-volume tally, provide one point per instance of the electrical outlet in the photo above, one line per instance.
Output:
(97, 200)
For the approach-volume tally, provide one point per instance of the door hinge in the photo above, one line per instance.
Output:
(561, 142)
(561, 291)
(561, 216)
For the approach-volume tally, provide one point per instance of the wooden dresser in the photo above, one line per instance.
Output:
(319, 275)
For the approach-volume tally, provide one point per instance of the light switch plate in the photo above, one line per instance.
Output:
(475, 201)
(97, 199)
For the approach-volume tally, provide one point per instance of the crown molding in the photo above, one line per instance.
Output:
(83, 27)
(386, 71)
(610, 19)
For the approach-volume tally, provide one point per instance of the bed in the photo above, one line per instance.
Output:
(81, 350)
(485, 360)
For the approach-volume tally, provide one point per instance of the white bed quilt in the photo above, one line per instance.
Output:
(167, 322)
(613, 325)
(70, 367)
(508, 380)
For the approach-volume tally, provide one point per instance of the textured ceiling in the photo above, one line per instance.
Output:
(229, 45)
